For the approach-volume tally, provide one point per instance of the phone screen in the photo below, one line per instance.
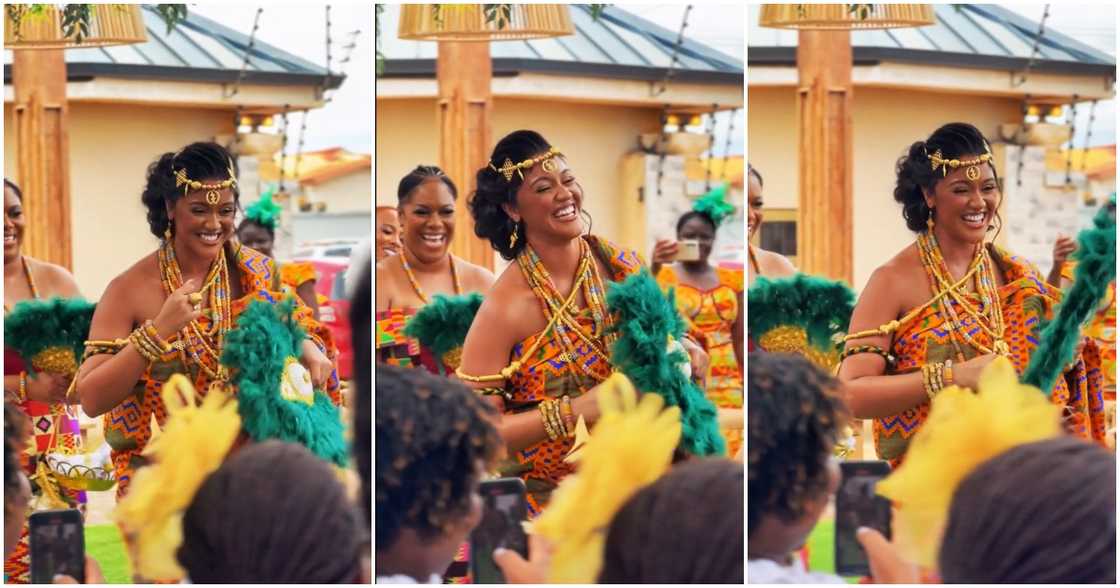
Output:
(503, 510)
(857, 506)
(57, 545)
(688, 250)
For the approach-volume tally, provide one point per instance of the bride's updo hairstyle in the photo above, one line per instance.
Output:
(493, 190)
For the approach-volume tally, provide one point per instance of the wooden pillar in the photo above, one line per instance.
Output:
(43, 152)
(824, 101)
(463, 70)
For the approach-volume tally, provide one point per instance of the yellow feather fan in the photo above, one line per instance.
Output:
(963, 431)
(192, 445)
(630, 446)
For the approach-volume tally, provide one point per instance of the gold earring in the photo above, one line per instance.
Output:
(929, 220)
(513, 235)
(167, 232)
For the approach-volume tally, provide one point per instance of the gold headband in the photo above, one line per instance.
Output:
(972, 172)
(212, 195)
(545, 159)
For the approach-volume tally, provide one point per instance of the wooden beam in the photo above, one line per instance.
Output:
(463, 111)
(824, 101)
(43, 152)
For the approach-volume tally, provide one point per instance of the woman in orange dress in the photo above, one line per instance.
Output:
(424, 267)
(539, 345)
(169, 313)
(42, 397)
(710, 300)
(906, 343)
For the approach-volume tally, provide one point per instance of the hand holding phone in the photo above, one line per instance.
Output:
(688, 250)
(57, 546)
(857, 505)
(504, 508)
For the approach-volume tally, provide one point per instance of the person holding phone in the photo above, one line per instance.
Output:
(762, 262)
(944, 307)
(169, 313)
(435, 441)
(42, 397)
(710, 299)
(538, 347)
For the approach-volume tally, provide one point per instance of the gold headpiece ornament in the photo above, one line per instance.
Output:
(212, 195)
(973, 173)
(546, 160)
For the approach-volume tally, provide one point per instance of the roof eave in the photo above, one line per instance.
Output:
(86, 71)
(511, 66)
(787, 56)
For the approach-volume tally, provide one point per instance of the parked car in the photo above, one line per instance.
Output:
(335, 314)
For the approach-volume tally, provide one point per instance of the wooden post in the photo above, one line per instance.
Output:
(824, 100)
(463, 70)
(43, 152)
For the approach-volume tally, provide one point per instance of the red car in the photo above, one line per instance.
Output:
(335, 314)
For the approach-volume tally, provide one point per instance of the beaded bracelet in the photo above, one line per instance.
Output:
(22, 387)
(543, 408)
(556, 420)
(859, 349)
(495, 391)
(568, 414)
(948, 372)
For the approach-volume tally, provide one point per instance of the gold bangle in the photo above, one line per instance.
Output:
(143, 346)
(543, 409)
(948, 376)
(568, 415)
(500, 377)
(556, 413)
(22, 386)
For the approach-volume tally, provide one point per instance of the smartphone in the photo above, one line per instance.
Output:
(857, 505)
(688, 250)
(57, 545)
(504, 508)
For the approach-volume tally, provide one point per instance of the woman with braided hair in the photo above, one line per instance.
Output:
(258, 231)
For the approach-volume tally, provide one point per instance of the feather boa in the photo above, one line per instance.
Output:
(442, 324)
(35, 325)
(820, 306)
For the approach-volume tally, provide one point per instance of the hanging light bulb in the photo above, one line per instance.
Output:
(1033, 110)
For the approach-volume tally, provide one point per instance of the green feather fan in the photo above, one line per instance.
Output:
(37, 325)
(820, 306)
(645, 319)
(1096, 268)
(714, 204)
(258, 352)
(442, 324)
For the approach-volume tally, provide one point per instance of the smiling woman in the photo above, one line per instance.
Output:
(170, 311)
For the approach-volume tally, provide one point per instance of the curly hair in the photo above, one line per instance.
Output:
(203, 161)
(421, 174)
(273, 513)
(754, 172)
(915, 175)
(795, 414)
(694, 512)
(12, 185)
(1041, 513)
(493, 190)
(431, 434)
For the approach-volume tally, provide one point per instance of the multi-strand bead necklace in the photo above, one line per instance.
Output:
(202, 345)
(416, 284)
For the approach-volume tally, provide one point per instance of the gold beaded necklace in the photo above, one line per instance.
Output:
(30, 281)
(416, 284)
(556, 307)
(988, 317)
(199, 345)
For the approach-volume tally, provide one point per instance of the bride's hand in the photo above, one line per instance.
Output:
(317, 364)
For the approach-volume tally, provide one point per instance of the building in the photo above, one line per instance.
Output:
(592, 94)
(907, 82)
(129, 104)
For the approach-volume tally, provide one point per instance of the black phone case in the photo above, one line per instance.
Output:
(485, 537)
(873, 511)
(47, 550)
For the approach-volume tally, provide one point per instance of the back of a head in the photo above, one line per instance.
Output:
(273, 513)
(363, 390)
(795, 413)
(1043, 512)
(685, 528)
(432, 434)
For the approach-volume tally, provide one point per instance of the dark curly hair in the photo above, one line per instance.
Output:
(273, 513)
(248, 222)
(795, 415)
(431, 433)
(694, 512)
(695, 214)
(490, 220)
(10, 184)
(418, 176)
(914, 172)
(1041, 513)
(203, 161)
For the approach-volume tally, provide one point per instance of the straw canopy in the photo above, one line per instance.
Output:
(45, 26)
(484, 22)
(845, 16)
